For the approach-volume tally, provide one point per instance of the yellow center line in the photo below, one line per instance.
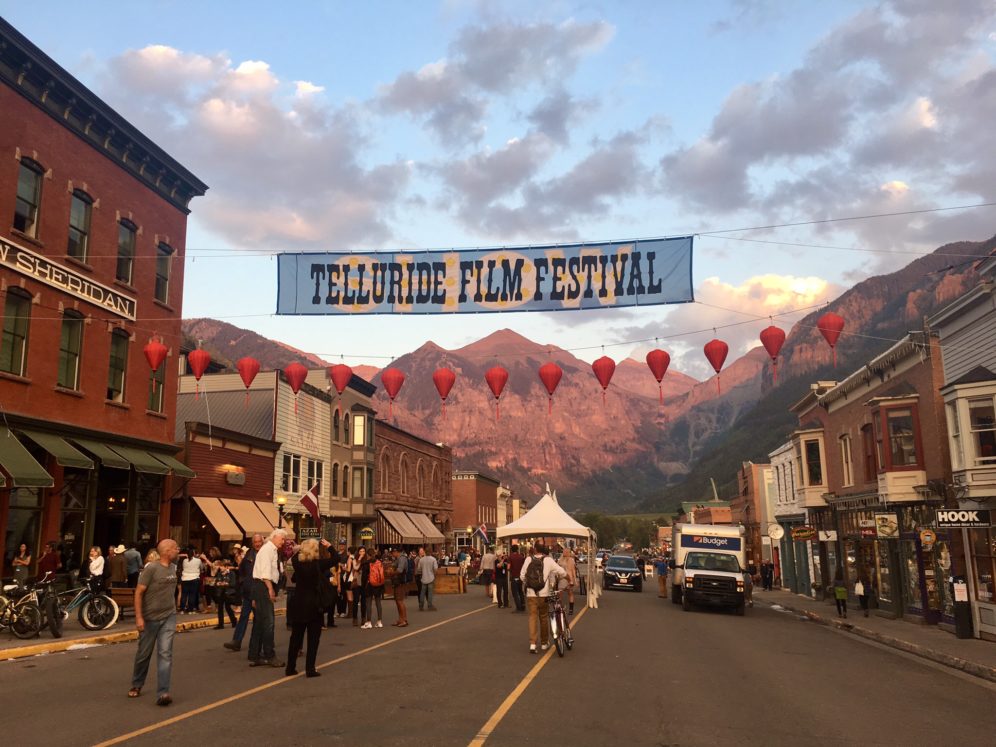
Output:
(485, 731)
(266, 686)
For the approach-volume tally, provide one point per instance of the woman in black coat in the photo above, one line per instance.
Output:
(303, 609)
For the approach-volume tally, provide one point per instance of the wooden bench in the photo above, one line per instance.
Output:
(125, 598)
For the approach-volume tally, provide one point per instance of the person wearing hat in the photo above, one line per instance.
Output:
(117, 567)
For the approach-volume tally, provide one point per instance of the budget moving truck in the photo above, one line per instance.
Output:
(708, 566)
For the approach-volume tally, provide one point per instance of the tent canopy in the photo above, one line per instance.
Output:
(545, 519)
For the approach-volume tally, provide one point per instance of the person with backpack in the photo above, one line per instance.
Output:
(537, 574)
(404, 575)
(374, 592)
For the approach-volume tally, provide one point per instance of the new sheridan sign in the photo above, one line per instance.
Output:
(40, 268)
(553, 278)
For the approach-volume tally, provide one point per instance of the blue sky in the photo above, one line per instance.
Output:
(364, 126)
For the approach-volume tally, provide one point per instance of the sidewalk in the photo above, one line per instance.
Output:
(75, 636)
(969, 655)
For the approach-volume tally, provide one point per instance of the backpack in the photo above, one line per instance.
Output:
(410, 571)
(534, 575)
(376, 574)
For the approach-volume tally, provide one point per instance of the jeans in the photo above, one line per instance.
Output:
(261, 644)
(373, 597)
(158, 634)
(425, 594)
(243, 623)
(501, 582)
(539, 620)
(190, 592)
(520, 603)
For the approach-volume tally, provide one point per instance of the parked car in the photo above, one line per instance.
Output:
(622, 572)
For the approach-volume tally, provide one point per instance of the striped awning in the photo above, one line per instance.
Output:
(398, 529)
(424, 524)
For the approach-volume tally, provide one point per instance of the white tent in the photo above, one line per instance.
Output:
(548, 519)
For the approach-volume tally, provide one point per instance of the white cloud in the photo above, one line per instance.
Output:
(303, 88)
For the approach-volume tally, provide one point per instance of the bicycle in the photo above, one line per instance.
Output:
(96, 610)
(560, 629)
(18, 613)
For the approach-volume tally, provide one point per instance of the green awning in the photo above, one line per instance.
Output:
(179, 468)
(64, 454)
(20, 465)
(141, 460)
(107, 457)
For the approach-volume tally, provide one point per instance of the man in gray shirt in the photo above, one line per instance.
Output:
(155, 618)
(133, 559)
(425, 569)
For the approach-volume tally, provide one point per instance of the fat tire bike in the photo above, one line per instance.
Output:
(19, 613)
(95, 609)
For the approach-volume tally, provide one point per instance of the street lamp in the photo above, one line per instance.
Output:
(281, 504)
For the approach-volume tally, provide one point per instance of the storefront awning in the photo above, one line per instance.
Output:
(107, 457)
(24, 471)
(269, 511)
(142, 461)
(249, 517)
(407, 532)
(424, 524)
(64, 453)
(211, 508)
(179, 468)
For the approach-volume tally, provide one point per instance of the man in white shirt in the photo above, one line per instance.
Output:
(488, 571)
(265, 575)
(536, 599)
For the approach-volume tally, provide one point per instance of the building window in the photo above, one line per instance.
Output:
(954, 428)
(345, 428)
(290, 479)
(79, 225)
(164, 258)
(118, 367)
(982, 422)
(345, 481)
(868, 449)
(814, 468)
(126, 251)
(385, 474)
(157, 386)
(316, 473)
(404, 475)
(16, 320)
(370, 483)
(845, 460)
(358, 483)
(26, 208)
(335, 427)
(421, 480)
(70, 350)
(359, 437)
(902, 440)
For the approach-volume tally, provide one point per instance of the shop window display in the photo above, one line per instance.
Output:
(911, 576)
(883, 573)
(984, 559)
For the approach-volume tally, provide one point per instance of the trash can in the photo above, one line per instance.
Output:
(962, 607)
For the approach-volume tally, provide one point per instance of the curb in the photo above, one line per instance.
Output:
(58, 645)
(963, 665)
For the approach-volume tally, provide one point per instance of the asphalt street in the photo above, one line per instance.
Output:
(643, 672)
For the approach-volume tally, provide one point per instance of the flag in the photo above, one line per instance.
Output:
(310, 501)
(482, 531)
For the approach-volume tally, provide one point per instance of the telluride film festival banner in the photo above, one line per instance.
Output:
(552, 278)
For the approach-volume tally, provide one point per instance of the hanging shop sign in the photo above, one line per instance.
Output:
(973, 518)
(827, 535)
(309, 533)
(887, 525)
(800, 534)
(551, 278)
(366, 533)
(42, 269)
(927, 538)
(867, 528)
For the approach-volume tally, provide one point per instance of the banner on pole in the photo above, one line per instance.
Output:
(552, 278)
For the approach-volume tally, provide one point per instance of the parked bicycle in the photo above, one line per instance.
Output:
(19, 613)
(560, 629)
(95, 609)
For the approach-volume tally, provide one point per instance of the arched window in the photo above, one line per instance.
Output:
(420, 475)
(345, 428)
(335, 479)
(404, 475)
(70, 350)
(16, 324)
(385, 474)
(335, 427)
(345, 480)
(80, 208)
(28, 204)
(434, 482)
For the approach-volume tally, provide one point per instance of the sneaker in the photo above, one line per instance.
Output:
(233, 646)
(544, 647)
(379, 624)
(532, 648)
(276, 663)
(366, 625)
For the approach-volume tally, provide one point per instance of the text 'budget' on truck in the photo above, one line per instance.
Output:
(708, 566)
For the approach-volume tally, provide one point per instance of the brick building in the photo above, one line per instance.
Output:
(475, 502)
(752, 508)
(91, 268)
(412, 494)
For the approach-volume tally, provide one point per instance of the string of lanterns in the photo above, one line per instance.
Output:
(772, 338)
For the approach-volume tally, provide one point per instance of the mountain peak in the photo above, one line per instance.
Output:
(504, 342)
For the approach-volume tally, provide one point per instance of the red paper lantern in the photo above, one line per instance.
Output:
(341, 374)
(658, 361)
(716, 351)
(604, 367)
(443, 378)
(198, 360)
(496, 377)
(248, 368)
(295, 374)
(392, 379)
(830, 326)
(773, 338)
(550, 374)
(155, 354)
